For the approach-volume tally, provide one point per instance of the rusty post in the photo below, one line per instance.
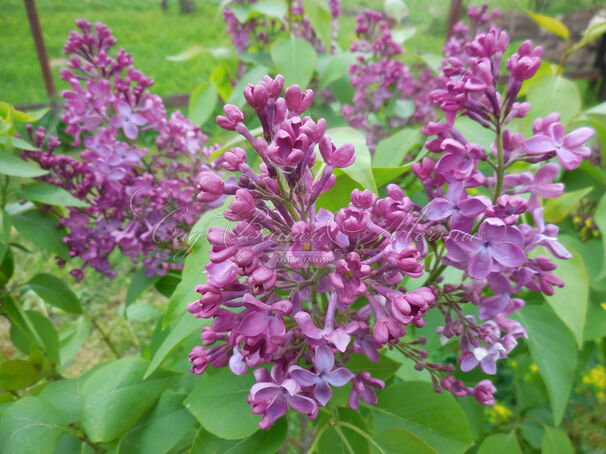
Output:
(34, 24)
(456, 8)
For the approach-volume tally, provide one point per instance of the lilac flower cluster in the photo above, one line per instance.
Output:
(298, 287)
(381, 81)
(256, 33)
(138, 202)
(491, 239)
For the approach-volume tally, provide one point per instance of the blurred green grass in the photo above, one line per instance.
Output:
(151, 34)
(140, 26)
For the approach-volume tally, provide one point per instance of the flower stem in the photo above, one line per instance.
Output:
(500, 166)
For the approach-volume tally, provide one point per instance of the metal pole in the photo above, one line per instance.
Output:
(456, 8)
(34, 24)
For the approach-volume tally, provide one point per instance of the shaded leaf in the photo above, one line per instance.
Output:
(500, 444)
(50, 194)
(295, 59)
(15, 167)
(435, 418)
(55, 292)
(42, 230)
(553, 349)
(360, 170)
(202, 103)
(219, 403)
(115, 397)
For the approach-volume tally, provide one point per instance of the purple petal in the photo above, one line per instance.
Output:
(547, 173)
(480, 264)
(339, 338)
(130, 130)
(568, 159)
(322, 393)
(438, 209)
(276, 409)
(302, 404)
(508, 254)
(492, 229)
(539, 144)
(254, 324)
(489, 365)
(578, 137)
(467, 361)
(303, 376)
(307, 325)
(339, 377)
(472, 207)
(324, 360)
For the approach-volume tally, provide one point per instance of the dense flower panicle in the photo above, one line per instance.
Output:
(296, 287)
(490, 237)
(382, 83)
(138, 202)
(258, 32)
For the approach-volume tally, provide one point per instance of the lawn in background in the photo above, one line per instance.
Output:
(151, 34)
(140, 26)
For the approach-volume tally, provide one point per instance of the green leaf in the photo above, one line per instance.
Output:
(600, 220)
(15, 167)
(43, 329)
(65, 396)
(396, 10)
(319, 17)
(384, 369)
(557, 209)
(72, 338)
(591, 34)
(193, 269)
(219, 403)
(220, 53)
(554, 94)
(115, 397)
(17, 143)
(337, 68)
(295, 59)
(553, 349)
(551, 24)
(500, 444)
(261, 442)
(202, 102)
(360, 170)
(160, 429)
(17, 374)
(384, 175)
(435, 418)
(139, 283)
(339, 195)
(29, 426)
(270, 8)
(167, 284)
(398, 441)
(55, 292)
(187, 325)
(49, 194)
(251, 77)
(5, 226)
(598, 109)
(340, 439)
(41, 229)
(474, 131)
(391, 151)
(570, 302)
(556, 441)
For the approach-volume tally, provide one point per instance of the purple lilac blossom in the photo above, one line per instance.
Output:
(139, 201)
(312, 286)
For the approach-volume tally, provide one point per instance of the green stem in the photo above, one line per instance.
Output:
(330, 424)
(106, 338)
(4, 191)
(500, 166)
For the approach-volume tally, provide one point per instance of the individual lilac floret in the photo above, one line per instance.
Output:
(324, 375)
